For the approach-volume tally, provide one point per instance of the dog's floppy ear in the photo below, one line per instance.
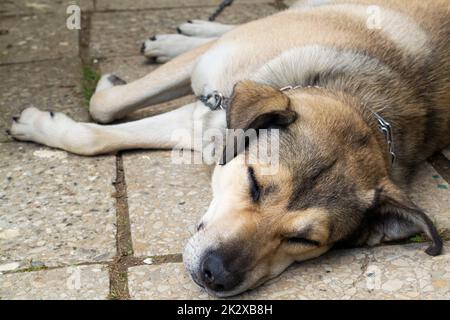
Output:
(257, 106)
(394, 217)
(253, 106)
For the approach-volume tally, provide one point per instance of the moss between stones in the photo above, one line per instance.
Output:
(31, 269)
(89, 82)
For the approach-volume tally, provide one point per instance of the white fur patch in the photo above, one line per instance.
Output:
(215, 70)
(104, 83)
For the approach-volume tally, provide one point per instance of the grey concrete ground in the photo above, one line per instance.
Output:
(114, 226)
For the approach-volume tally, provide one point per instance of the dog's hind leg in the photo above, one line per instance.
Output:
(174, 129)
(164, 47)
(204, 29)
(113, 99)
(192, 34)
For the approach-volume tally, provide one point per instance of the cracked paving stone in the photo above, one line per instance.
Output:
(155, 4)
(36, 37)
(165, 201)
(111, 39)
(71, 283)
(46, 85)
(56, 208)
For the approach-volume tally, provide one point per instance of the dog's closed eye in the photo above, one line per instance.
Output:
(302, 241)
(302, 238)
(255, 188)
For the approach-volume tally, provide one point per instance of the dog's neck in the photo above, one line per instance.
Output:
(381, 128)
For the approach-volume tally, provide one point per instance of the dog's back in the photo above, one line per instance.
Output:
(410, 36)
(398, 60)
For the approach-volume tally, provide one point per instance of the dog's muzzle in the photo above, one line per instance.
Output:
(215, 276)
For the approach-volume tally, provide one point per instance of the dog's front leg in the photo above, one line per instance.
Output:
(114, 99)
(181, 128)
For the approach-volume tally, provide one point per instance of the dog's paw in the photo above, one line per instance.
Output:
(162, 48)
(108, 81)
(204, 29)
(53, 129)
(44, 127)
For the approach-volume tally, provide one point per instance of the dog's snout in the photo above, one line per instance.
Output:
(214, 274)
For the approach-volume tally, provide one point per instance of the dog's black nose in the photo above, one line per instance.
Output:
(215, 276)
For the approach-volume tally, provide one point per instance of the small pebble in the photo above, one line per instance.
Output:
(37, 264)
(9, 266)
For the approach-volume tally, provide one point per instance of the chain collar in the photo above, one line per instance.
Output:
(386, 129)
(216, 101)
(384, 126)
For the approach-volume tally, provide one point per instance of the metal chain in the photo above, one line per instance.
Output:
(220, 8)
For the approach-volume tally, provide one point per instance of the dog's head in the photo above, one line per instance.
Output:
(331, 186)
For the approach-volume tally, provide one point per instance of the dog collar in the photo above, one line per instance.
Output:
(384, 126)
(386, 129)
(216, 101)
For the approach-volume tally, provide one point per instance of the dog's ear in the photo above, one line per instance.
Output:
(394, 216)
(253, 106)
(257, 106)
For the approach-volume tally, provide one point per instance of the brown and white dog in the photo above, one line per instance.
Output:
(357, 66)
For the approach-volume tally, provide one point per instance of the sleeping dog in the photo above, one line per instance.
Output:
(359, 93)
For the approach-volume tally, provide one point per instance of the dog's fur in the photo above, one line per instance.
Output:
(335, 183)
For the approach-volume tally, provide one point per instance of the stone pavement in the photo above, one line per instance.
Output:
(114, 226)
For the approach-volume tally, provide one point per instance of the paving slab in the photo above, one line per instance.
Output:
(29, 7)
(72, 283)
(122, 33)
(393, 272)
(161, 282)
(291, 2)
(36, 37)
(242, 13)
(56, 208)
(432, 193)
(405, 272)
(165, 201)
(165, 4)
(51, 85)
